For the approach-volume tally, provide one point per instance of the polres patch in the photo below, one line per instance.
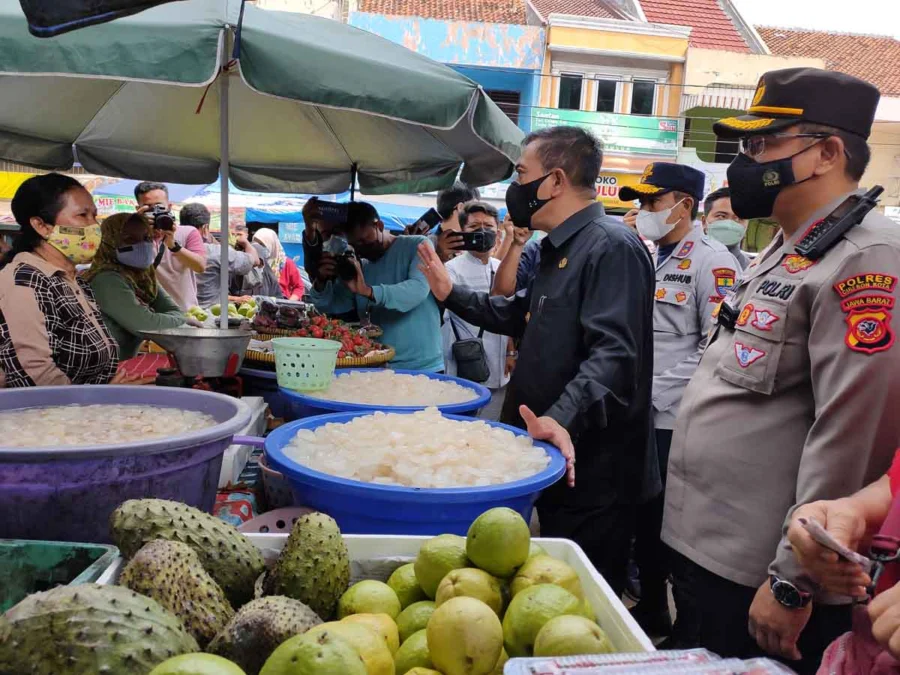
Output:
(869, 330)
(870, 281)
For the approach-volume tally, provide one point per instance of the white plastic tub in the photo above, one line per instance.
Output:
(376, 556)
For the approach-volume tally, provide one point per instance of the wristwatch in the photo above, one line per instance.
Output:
(512, 355)
(787, 594)
(177, 247)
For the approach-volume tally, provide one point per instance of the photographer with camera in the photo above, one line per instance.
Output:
(449, 207)
(379, 275)
(469, 351)
(181, 253)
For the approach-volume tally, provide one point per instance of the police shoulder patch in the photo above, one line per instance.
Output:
(724, 277)
(869, 281)
(868, 316)
(869, 330)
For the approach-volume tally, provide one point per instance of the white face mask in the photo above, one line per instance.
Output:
(653, 225)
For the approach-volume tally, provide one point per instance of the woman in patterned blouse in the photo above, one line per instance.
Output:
(51, 332)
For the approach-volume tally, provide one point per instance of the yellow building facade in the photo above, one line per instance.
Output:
(620, 80)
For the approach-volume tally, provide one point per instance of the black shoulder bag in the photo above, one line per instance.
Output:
(471, 359)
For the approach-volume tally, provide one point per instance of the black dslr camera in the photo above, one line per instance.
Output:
(346, 269)
(162, 217)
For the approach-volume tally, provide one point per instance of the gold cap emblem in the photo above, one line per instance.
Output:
(760, 92)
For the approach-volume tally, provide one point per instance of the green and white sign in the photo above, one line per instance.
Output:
(631, 134)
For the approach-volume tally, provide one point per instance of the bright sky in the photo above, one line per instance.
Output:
(880, 17)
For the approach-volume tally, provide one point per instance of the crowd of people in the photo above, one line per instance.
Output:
(77, 297)
(716, 405)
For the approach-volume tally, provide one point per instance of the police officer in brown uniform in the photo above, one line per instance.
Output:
(795, 398)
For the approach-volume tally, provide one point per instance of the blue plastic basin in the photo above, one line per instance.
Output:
(303, 406)
(368, 508)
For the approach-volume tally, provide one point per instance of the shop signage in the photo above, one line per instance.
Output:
(631, 134)
(106, 206)
(608, 187)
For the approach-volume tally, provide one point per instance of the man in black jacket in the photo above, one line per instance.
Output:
(586, 354)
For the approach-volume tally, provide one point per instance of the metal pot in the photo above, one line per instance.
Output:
(207, 352)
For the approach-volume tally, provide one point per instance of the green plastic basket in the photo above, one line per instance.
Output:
(27, 567)
(305, 364)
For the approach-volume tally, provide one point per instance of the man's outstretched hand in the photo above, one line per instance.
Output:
(431, 266)
(549, 430)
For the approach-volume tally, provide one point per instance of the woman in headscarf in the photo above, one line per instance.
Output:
(123, 279)
(284, 268)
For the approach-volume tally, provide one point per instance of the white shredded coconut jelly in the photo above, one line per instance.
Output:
(99, 424)
(423, 449)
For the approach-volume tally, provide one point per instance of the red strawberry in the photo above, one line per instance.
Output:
(317, 332)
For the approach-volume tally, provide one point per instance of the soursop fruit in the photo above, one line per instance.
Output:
(314, 566)
(259, 627)
(170, 572)
(90, 630)
(225, 553)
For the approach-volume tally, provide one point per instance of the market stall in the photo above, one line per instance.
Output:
(229, 95)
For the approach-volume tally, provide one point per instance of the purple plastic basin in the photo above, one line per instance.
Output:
(68, 493)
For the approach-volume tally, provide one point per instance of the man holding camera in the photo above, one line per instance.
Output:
(378, 275)
(449, 207)
(470, 352)
(182, 253)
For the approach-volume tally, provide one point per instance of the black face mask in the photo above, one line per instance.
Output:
(373, 251)
(756, 185)
(522, 201)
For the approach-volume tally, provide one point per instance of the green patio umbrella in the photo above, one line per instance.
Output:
(303, 104)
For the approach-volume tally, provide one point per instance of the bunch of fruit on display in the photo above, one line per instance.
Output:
(195, 597)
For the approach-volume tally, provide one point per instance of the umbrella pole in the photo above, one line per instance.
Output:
(224, 177)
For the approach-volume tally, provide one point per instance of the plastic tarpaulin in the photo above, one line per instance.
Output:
(47, 18)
